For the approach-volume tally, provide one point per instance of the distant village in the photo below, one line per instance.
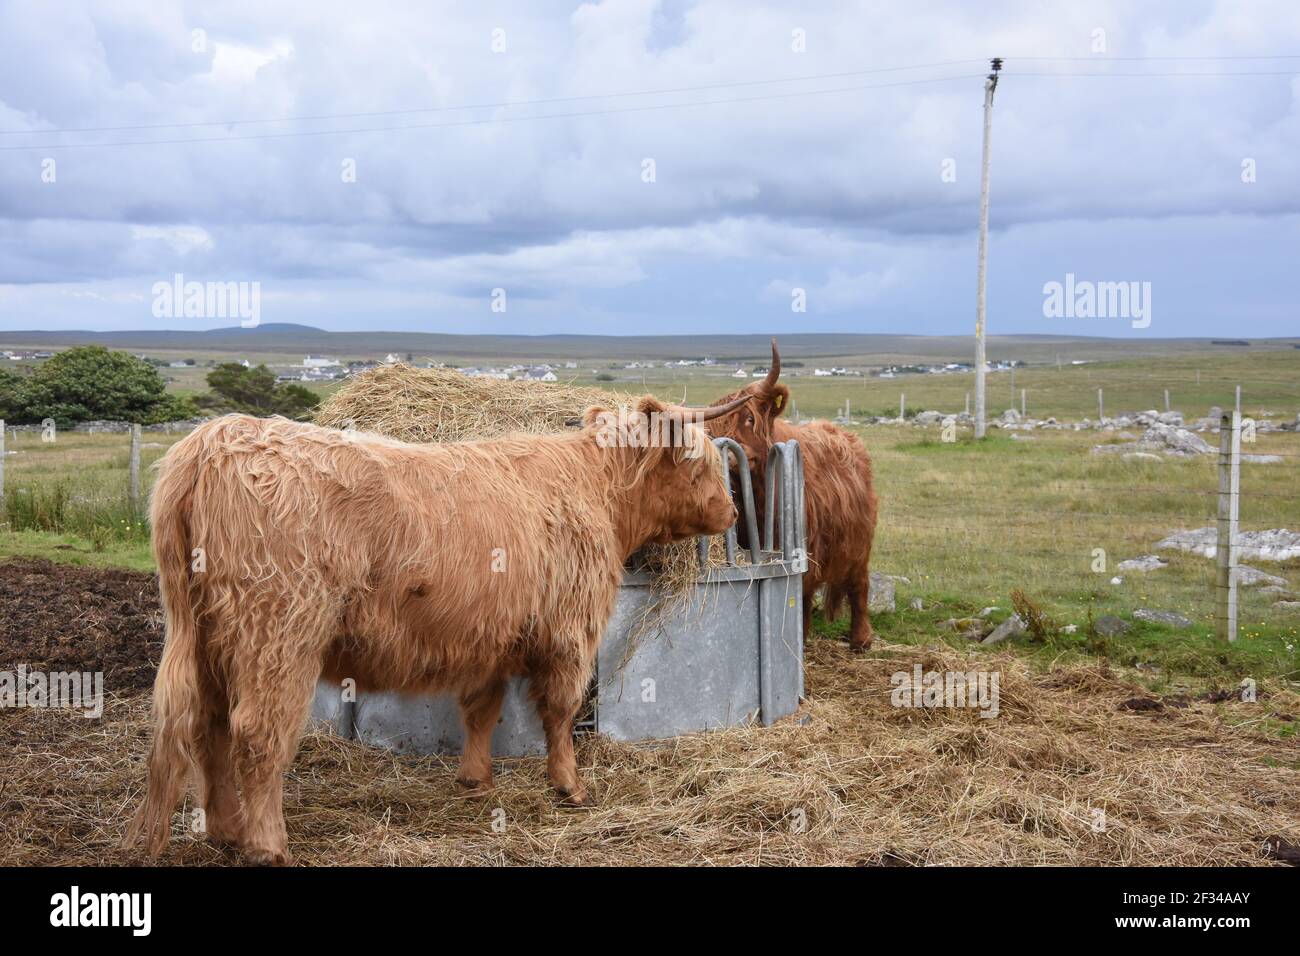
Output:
(324, 368)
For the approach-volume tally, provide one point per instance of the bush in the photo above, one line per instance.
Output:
(255, 391)
(90, 382)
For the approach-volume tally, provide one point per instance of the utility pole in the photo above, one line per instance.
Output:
(990, 85)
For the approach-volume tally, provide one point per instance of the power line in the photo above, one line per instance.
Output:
(1148, 74)
(286, 134)
(499, 105)
(550, 101)
(1100, 58)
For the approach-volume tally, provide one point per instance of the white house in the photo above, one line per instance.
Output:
(390, 358)
(822, 372)
(540, 375)
(319, 361)
(739, 373)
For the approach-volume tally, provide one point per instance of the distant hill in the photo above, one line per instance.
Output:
(292, 339)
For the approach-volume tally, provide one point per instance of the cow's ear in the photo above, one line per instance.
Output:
(592, 415)
(648, 406)
(777, 401)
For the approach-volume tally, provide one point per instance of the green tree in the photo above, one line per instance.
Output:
(10, 395)
(90, 382)
(255, 391)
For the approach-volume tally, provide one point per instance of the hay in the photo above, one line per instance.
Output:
(443, 405)
(857, 782)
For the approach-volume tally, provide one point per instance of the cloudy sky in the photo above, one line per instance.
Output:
(649, 165)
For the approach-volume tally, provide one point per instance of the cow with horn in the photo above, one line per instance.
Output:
(839, 493)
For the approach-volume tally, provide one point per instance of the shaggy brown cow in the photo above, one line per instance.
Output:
(841, 501)
(287, 552)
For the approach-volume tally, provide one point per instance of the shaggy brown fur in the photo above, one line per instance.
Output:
(287, 552)
(841, 501)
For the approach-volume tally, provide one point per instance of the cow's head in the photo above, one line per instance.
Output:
(751, 424)
(669, 472)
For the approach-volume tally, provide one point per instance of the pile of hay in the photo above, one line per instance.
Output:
(443, 405)
(858, 781)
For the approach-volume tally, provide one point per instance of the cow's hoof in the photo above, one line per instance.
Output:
(574, 798)
(258, 857)
(474, 787)
(860, 646)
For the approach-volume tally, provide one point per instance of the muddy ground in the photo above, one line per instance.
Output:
(59, 617)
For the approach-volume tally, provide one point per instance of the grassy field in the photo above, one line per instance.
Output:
(965, 523)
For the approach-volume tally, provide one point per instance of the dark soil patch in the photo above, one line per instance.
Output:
(59, 617)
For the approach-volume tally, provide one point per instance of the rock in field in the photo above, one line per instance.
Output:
(1176, 441)
(1148, 562)
(881, 599)
(1277, 544)
(1171, 618)
(1011, 627)
(1253, 577)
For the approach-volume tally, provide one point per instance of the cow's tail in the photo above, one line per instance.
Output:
(177, 691)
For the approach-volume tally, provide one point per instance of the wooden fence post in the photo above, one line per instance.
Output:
(2, 466)
(135, 467)
(1225, 616)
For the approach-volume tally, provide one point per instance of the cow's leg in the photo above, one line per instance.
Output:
(860, 632)
(559, 687)
(278, 665)
(223, 821)
(479, 709)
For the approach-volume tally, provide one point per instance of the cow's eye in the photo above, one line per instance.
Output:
(749, 420)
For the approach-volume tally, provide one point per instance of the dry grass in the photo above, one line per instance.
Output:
(874, 784)
(426, 405)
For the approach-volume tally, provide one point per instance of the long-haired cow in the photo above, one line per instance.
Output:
(840, 496)
(287, 552)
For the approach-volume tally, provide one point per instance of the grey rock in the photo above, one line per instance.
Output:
(1141, 456)
(1262, 459)
(1108, 625)
(1175, 440)
(1148, 562)
(882, 593)
(1172, 618)
(916, 604)
(928, 418)
(1011, 627)
(1276, 544)
(1253, 577)
(1287, 605)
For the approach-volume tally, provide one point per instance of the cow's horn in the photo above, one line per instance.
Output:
(710, 413)
(774, 372)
